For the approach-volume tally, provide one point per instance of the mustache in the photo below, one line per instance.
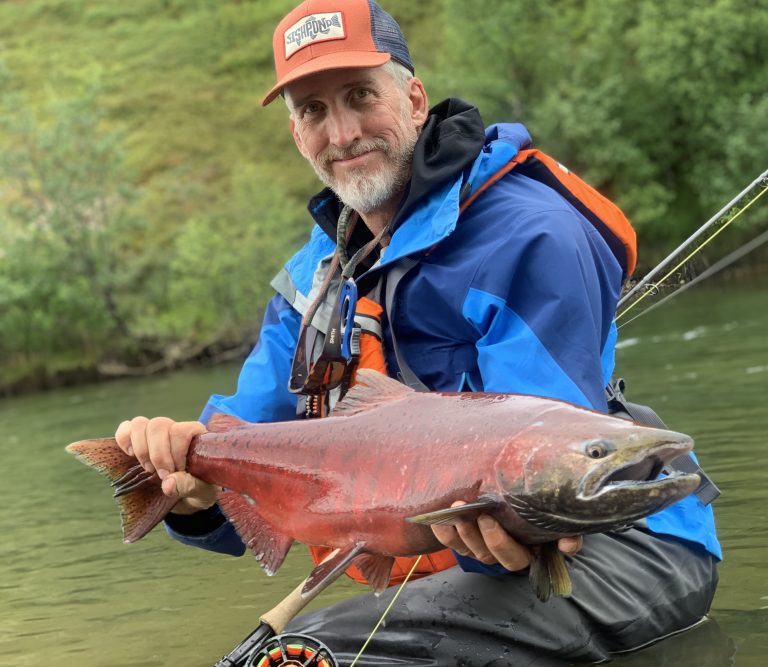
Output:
(353, 150)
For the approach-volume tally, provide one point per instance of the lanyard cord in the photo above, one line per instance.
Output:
(343, 233)
(386, 611)
(344, 229)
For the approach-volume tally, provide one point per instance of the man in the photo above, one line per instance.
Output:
(515, 293)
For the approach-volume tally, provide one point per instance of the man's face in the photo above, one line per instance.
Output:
(357, 128)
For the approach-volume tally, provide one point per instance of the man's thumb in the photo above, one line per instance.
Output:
(180, 485)
(193, 494)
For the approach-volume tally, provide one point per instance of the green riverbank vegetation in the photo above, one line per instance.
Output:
(146, 198)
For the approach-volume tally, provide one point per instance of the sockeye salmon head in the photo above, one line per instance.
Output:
(592, 474)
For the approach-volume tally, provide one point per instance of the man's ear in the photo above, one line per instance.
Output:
(296, 136)
(419, 102)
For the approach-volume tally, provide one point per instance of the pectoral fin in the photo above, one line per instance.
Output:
(548, 572)
(451, 515)
(268, 544)
(330, 570)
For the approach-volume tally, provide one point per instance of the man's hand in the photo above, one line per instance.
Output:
(486, 541)
(161, 446)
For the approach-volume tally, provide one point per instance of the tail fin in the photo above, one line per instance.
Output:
(142, 502)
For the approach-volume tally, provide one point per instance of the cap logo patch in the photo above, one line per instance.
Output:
(312, 29)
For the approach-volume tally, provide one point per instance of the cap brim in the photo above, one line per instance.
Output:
(340, 60)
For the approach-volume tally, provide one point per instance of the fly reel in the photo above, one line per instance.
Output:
(292, 650)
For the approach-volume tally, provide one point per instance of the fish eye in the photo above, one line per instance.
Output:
(598, 449)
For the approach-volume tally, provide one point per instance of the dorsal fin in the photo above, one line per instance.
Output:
(221, 422)
(372, 390)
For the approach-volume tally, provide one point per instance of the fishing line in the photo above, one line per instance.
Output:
(761, 178)
(386, 611)
(712, 270)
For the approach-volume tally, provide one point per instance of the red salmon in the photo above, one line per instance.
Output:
(369, 479)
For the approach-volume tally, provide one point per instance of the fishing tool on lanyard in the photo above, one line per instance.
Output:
(339, 348)
(648, 286)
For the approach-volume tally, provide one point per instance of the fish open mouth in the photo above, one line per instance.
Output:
(640, 473)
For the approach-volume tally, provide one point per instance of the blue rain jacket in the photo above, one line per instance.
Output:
(517, 294)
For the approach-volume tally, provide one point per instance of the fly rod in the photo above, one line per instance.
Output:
(742, 202)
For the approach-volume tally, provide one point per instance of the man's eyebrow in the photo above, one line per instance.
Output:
(366, 82)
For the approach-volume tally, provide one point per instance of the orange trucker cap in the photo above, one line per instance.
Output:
(333, 34)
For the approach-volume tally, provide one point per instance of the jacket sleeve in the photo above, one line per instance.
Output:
(262, 389)
(542, 306)
(262, 395)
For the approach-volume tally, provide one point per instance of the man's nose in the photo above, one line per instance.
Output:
(343, 127)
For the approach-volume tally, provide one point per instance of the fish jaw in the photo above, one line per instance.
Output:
(639, 469)
(569, 494)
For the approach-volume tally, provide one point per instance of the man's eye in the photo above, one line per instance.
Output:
(360, 93)
(310, 109)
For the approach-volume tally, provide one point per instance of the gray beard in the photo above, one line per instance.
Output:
(365, 192)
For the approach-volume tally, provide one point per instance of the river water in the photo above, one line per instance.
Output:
(72, 595)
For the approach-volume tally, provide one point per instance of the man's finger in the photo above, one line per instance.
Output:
(159, 443)
(181, 436)
(570, 546)
(123, 437)
(469, 532)
(448, 537)
(503, 547)
(182, 484)
(464, 538)
(139, 441)
(197, 493)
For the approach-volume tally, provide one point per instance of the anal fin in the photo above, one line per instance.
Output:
(330, 570)
(268, 544)
(377, 569)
